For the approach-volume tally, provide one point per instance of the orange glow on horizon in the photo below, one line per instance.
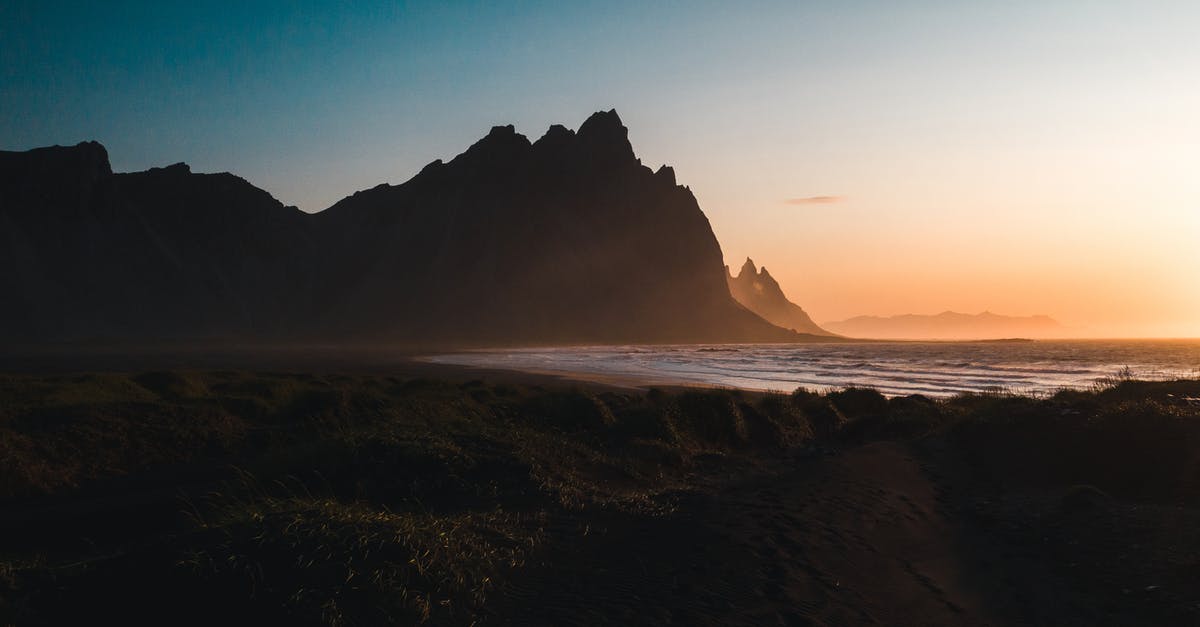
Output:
(1111, 277)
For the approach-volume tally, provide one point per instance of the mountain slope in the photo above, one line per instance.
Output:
(569, 238)
(566, 239)
(949, 325)
(759, 292)
(88, 254)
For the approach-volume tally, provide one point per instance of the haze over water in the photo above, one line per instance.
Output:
(930, 368)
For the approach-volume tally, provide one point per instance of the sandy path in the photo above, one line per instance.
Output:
(851, 539)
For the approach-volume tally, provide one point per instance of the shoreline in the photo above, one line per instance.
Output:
(470, 494)
(894, 368)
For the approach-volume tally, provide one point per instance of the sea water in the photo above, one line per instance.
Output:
(894, 368)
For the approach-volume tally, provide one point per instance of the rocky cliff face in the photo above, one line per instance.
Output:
(565, 239)
(759, 292)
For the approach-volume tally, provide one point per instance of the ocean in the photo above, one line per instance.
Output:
(894, 368)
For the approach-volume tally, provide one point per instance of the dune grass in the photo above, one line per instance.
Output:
(337, 499)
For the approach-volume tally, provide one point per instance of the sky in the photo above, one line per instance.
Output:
(878, 157)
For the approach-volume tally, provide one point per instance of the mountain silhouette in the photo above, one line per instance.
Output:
(759, 292)
(949, 325)
(565, 239)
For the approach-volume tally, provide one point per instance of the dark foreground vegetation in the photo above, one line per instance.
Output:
(231, 497)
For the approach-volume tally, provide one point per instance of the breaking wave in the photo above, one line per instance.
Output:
(931, 368)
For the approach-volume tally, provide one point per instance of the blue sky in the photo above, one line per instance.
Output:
(959, 136)
(356, 95)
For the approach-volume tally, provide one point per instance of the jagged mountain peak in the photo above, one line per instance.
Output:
(95, 154)
(555, 143)
(556, 132)
(502, 130)
(601, 142)
(501, 141)
(505, 243)
(605, 139)
(748, 269)
(604, 122)
(759, 292)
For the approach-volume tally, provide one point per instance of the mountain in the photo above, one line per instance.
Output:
(949, 325)
(759, 292)
(565, 239)
(88, 254)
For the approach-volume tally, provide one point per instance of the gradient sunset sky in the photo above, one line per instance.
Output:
(877, 157)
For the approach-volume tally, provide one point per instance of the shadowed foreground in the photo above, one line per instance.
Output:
(196, 497)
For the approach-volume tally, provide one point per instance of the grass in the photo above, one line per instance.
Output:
(344, 563)
(345, 500)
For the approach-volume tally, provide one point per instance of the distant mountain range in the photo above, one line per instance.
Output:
(760, 293)
(948, 325)
(566, 239)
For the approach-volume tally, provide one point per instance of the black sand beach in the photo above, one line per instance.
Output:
(446, 496)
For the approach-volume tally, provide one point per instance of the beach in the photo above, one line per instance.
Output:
(940, 369)
(418, 492)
